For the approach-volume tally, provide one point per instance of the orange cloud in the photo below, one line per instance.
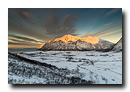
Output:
(21, 46)
(26, 14)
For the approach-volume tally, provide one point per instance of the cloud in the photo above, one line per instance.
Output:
(21, 46)
(94, 15)
(19, 13)
(106, 27)
(26, 22)
(110, 34)
(26, 14)
(14, 14)
(23, 38)
(20, 24)
(89, 33)
(24, 43)
(106, 32)
(101, 33)
(14, 40)
(112, 12)
(56, 27)
(32, 31)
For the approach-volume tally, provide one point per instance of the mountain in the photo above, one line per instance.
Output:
(73, 43)
(118, 46)
(68, 37)
(39, 46)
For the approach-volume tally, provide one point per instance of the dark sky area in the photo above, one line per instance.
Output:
(31, 27)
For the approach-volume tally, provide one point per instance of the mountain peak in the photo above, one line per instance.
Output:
(90, 39)
(66, 38)
(39, 46)
(68, 35)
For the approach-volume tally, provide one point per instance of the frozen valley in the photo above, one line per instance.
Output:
(67, 67)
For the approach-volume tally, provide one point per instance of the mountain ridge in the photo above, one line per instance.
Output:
(77, 44)
(69, 37)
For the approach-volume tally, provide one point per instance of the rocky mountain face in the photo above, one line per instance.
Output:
(72, 44)
(118, 46)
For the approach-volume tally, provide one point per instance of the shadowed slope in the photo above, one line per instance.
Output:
(118, 46)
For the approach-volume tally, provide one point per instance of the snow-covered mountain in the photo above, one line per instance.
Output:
(73, 43)
(118, 46)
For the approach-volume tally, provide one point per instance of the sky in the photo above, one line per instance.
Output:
(31, 27)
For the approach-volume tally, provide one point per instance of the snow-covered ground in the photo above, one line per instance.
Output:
(25, 71)
(99, 67)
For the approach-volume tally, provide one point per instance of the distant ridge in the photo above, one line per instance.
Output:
(118, 46)
(73, 43)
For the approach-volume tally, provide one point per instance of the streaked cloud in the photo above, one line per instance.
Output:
(23, 43)
(106, 32)
(29, 31)
(110, 34)
(96, 13)
(21, 46)
(20, 13)
(106, 25)
(112, 12)
(89, 33)
(101, 34)
(109, 27)
(37, 25)
(27, 14)
(22, 38)
(20, 24)
(54, 26)
(14, 40)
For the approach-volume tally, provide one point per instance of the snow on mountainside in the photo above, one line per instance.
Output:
(73, 43)
(118, 46)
